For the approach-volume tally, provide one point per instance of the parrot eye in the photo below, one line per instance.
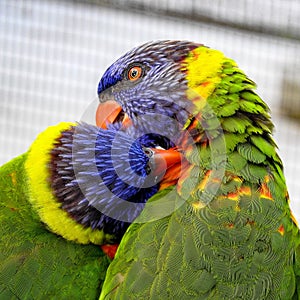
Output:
(134, 72)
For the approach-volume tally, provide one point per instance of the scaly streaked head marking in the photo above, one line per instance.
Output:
(155, 90)
(158, 81)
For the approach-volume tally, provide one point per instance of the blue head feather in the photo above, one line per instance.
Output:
(93, 168)
(122, 164)
(160, 91)
(109, 78)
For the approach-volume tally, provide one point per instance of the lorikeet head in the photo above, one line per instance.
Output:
(104, 177)
(165, 85)
(147, 85)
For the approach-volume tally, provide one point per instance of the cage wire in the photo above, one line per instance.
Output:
(52, 54)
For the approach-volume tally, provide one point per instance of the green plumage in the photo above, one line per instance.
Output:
(187, 256)
(35, 263)
(234, 236)
(225, 231)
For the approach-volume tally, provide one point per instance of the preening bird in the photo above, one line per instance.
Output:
(70, 193)
(230, 233)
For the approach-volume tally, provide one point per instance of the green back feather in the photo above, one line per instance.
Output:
(35, 263)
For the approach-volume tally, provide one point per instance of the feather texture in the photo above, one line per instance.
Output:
(48, 223)
(36, 263)
(233, 236)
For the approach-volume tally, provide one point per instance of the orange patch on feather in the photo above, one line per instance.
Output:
(229, 225)
(233, 196)
(110, 250)
(204, 182)
(186, 170)
(281, 230)
(245, 190)
(265, 191)
(250, 222)
(204, 84)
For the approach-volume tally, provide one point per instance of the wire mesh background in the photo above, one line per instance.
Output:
(52, 54)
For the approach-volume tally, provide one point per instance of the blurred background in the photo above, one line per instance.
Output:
(52, 54)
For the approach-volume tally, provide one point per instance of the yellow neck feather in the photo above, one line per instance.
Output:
(203, 67)
(41, 196)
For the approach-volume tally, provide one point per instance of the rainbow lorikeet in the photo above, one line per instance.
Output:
(64, 198)
(224, 229)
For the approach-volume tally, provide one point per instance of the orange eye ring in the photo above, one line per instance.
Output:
(134, 73)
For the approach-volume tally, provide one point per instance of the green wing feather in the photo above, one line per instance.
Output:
(216, 252)
(35, 263)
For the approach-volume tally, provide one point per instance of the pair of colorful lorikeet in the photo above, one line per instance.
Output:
(181, 172)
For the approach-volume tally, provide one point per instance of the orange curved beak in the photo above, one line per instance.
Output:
(168, 166)
(110, 112)
(165, 159)
(167, 163)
